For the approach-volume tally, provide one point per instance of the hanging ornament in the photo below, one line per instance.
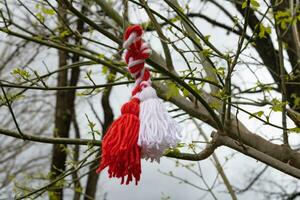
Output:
(145, 129)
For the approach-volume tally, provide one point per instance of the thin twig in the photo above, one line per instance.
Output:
(12, 113)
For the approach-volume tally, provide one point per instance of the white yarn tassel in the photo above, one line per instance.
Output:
(158, 131)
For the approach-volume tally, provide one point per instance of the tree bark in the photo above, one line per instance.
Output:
(75, 72)
(91, 185)
(65, 101)
(288, 38)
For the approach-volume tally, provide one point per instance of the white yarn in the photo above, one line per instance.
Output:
(132, 37)
(132, 62)
(139, 79)
(158, 131)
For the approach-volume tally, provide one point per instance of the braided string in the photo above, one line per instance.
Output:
(137, 51)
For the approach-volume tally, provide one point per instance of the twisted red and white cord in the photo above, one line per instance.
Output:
(158, 131)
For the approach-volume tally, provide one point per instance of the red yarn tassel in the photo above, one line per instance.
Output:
(120, 152)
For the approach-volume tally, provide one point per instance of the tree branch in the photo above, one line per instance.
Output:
(249, 151)
(49, 140)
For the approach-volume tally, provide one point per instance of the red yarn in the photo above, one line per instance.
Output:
(134, 28)
(138, 88)
(136, 52)
(120, 152)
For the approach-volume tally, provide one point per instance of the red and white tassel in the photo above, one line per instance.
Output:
(145, 128)
(158, 131)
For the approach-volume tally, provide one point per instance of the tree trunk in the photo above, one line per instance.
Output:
(63, 114)
(91, 185)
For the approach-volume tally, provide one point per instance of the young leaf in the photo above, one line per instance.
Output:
(48, 11)
(254, 3)
(296, 130)
(173, 91)
(258, 114)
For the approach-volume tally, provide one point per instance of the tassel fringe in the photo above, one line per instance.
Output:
(120, 152)
(158, 131)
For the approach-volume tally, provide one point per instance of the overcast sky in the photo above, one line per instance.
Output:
(153, 184)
